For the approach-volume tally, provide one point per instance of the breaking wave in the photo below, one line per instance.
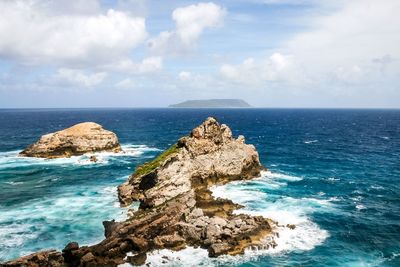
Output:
(11, 159)
(254, 195)
(258, 198)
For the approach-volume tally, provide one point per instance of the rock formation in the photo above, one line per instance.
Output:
(177, 208)
(76, 140)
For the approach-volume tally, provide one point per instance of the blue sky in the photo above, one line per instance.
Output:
(142, 53)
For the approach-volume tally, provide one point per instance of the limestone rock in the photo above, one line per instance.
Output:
(138, 259)
(76, 140)
(177, 208)
(43, 258)
(207, 156)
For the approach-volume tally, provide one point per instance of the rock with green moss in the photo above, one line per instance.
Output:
(208, 154)
(154, 164)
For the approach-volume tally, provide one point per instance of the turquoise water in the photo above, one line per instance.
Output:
(333, 173)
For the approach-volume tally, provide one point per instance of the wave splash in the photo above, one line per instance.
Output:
(58, 220)
(11, 159)
(257, 197)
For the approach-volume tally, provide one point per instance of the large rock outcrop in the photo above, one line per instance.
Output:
(76, 140)
(177, 208)
(209, 155)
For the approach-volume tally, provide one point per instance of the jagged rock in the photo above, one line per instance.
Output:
(76, 140)
(109, 227)
(138, 259)
(88, 257)
(48, 258)
(218, 249)
(177, 208)
(291, 226)
(208, 155)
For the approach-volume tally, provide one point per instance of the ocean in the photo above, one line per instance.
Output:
(335, 174)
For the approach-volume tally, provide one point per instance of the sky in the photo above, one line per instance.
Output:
(152, 53)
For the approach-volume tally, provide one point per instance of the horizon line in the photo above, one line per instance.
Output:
(202, 108)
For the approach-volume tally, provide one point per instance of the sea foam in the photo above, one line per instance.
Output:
(58, 220)
(11, 159)
(284, 209)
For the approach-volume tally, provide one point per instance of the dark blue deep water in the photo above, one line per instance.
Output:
(333, 173)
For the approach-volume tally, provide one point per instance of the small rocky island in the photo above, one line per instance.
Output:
(77, 140)
(177, 208)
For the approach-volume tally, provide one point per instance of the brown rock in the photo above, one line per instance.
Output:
(109, 227)
(76, 140)
(218, 249)
(138, 259)
(208, 156)
(48, 258)
(291, 226)
(71, 246)
(88, 257)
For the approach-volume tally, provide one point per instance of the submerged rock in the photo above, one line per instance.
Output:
(77, 140)
(177, 208)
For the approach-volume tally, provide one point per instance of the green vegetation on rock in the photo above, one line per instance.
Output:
(148, 167)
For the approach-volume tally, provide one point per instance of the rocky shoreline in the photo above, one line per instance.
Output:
(177, 208)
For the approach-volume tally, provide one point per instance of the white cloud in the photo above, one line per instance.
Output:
(68, 6)
(290, 2)
(191, 21)
(33, 33)
(148, 65)
(72, 77)
(185, 76)
(355, 44)
(126, 84)
(354, 35)
(133, 7)
(250, 71)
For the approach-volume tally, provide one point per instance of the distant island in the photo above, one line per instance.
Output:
(212, 103)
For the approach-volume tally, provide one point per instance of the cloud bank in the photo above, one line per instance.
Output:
(33, 34)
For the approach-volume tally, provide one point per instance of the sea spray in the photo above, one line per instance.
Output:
(11, 159)
(254, 196)
(66, 198)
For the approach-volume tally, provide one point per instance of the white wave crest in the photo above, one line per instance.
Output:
(11, 159)
(360, 207)
(285, 210)
(14, 183)
(310, 141)
(280, 176)
(192, 257)
(64, 217)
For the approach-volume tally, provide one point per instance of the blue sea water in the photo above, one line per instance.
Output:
(333, 173)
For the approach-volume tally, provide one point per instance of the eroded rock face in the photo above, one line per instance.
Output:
(207, 157)
(177, 208)
(76, 140)
(210, 155)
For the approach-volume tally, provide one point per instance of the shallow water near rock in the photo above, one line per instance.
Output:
(333, 173)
